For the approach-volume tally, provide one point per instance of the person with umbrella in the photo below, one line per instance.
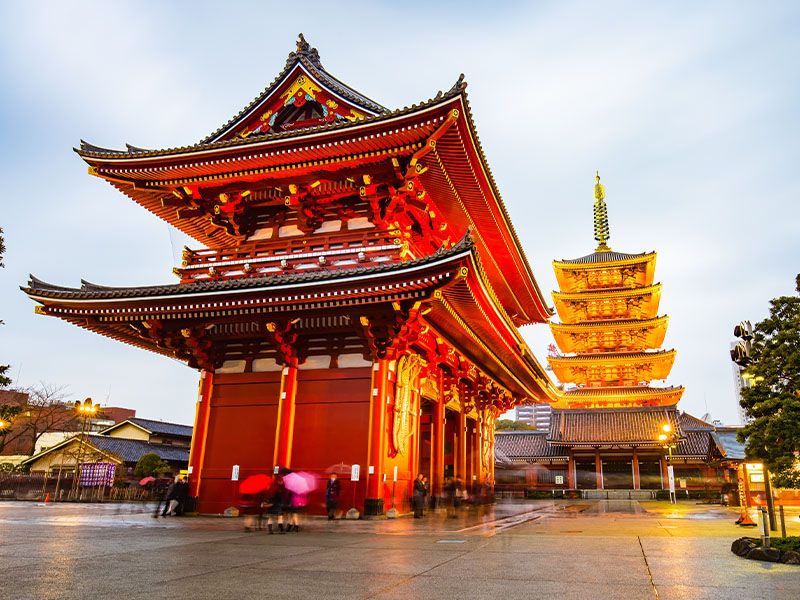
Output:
(275, 498)
(298, 485)
(332, 491)
(252, 502)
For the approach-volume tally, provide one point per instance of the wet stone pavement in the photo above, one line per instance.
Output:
(536, 549)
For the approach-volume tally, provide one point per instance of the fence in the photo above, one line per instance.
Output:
(61, 487)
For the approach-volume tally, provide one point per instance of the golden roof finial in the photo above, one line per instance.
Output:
(601, 229)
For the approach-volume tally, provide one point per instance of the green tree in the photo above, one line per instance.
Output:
(4, 379)
(773, 399)
(509, 425)
(150, 465)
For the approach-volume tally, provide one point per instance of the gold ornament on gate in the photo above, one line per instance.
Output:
(408, 369)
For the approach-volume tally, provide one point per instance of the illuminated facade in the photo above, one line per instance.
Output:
(356, 297)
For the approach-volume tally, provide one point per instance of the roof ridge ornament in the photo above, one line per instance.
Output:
(601, 228)
(304, 50)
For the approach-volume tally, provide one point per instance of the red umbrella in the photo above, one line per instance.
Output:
(255, 484)
(146, 480)
(300, 482)
(339, 468)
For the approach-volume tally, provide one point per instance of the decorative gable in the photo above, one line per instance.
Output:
(303, 95)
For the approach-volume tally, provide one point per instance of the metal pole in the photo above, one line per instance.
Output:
(770, 503)
(765, 541)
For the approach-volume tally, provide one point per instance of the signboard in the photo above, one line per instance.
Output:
(559, 480)
(371, 470)
(671, 475)
(355, 472)
(394, 474)
(235, 473)
(97, 474)
(682, 483)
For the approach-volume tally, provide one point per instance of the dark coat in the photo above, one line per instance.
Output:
(332, 491)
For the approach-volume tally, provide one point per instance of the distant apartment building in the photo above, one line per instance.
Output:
(537, 415)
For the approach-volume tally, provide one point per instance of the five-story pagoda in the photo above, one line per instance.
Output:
(608, 419)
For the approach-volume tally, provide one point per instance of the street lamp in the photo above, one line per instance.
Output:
(667, 439)
(86, 409)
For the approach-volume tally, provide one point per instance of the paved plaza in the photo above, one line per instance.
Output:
(536, 549)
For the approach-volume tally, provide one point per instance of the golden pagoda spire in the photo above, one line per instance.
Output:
(601, 229)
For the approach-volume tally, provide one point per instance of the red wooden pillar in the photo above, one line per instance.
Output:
(598, 469)
(437, 449)
(461, 450)
(571, 472)
(373, 504)
(664, 473)
(200, 432)
(637, 484)
(475, 455)
(284, 432)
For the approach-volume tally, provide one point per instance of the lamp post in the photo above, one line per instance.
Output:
(668, 440)
(85, 409)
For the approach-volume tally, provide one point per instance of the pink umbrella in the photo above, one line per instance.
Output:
(146, 480)
(300, 482)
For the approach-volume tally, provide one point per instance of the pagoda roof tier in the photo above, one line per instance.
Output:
(619, 397)
(605, 259)
(610, 336)
(625, 304)
(601, 270)
(477, 328)
(612, 368)
(638, 427)
(435, 142)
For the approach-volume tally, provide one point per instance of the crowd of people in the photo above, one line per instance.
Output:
(278, 507)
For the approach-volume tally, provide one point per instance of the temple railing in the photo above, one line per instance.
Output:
(292, 254)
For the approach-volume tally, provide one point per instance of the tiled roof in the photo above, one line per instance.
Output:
(37, 287)
(132, 450)
(161, 427)
(520, 445)
(689, 422)
(601, 257)
(695, 443)
(610, 324)
(639, 355)
(88, 150)
(308, 57)
(729, 446)
(618, 426)
(618, 391)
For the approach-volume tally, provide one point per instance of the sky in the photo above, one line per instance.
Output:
(689, 110)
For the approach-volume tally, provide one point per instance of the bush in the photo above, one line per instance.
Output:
(150, 465)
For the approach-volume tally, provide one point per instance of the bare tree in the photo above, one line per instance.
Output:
(41, 408)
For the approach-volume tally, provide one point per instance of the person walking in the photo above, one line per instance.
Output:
(181, 495)
(450, 497)
(275, 504)
(171, 499)
(332, 491)
(419, 494)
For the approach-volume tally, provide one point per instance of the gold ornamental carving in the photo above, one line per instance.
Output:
(453, 398)
(408, 369)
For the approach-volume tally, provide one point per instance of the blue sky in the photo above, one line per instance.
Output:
(689, 110)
